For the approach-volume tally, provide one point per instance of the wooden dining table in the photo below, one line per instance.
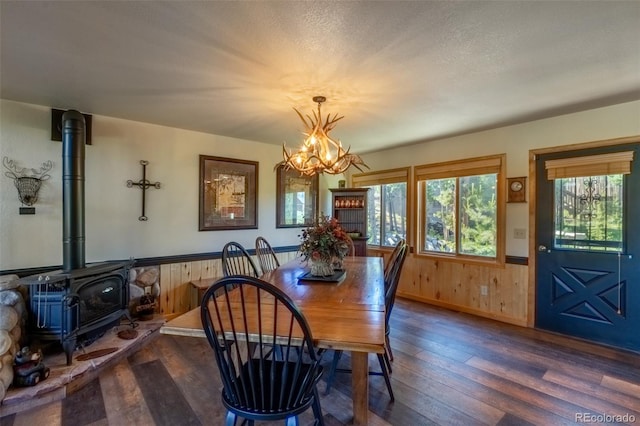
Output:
(346, 315)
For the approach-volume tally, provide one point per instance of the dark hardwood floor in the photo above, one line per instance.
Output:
(449, 369)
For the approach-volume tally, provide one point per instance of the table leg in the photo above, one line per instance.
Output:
(360, 387)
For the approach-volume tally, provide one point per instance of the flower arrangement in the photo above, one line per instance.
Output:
(324, 243)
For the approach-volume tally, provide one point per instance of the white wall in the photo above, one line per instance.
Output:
(113, 230)
(112, 227)
(515, 141)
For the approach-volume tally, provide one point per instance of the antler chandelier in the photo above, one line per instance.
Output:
(320, 153)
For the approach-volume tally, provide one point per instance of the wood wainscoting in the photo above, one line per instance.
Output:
(458, 286)
(452, 285)
(176, 291)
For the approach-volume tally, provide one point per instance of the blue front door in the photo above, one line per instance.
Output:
(588, 251)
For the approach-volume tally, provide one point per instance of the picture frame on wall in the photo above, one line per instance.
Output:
(228, 194)
(296, 199)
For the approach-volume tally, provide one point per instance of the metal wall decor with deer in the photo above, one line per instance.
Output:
(27, 181)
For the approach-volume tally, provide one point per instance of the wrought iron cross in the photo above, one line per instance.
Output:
(143, 184)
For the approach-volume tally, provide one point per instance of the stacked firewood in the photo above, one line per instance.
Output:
(13, 317)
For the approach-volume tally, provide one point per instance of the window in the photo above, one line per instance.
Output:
(387, 205)
(589, 200)
(461, 208)
(588, 213)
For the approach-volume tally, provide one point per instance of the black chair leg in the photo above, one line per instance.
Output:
(387, 361)
(385, 374)
(386, 337)
(332, 371)
(317, 410)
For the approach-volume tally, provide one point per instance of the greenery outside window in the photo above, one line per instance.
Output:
(387, 205)
(461, 208)
(588, 213)
(589, 200)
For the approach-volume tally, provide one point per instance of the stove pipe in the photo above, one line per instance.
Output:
(73, 139)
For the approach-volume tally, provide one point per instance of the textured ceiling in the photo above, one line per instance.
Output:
(399, 72)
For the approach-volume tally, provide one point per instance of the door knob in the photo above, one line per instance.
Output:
(542, 247)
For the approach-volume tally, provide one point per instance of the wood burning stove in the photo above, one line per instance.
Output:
(77, 307)
(79, 302)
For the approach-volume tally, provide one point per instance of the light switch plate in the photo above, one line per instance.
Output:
(520, 234)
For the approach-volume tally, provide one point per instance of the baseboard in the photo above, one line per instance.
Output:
(465, 309)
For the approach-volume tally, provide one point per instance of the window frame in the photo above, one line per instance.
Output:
(386, 177)
(492, 164)
(602, 245)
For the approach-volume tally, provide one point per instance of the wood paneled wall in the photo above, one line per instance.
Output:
(449, 284)
(176, 292)
(457, 286)
(175, 284)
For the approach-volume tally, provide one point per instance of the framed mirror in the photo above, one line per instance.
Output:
(296, 199)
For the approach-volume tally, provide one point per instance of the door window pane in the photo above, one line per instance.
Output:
(588, 213)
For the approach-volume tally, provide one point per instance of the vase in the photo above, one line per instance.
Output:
(338, 263)
(321, 268)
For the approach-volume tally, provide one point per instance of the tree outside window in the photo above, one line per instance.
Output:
(472, 211)
(459, 208)
(388, 205)
(387, 212)
(588, 213)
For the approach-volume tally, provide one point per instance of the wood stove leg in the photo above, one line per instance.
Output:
(132, 323)
(69, 345)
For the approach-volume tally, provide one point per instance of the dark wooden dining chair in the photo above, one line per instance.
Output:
(390, 268)
(257, 385)
(391, 286)
(266, 256)
(392, 258)
(352, 248)
(236, 260)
